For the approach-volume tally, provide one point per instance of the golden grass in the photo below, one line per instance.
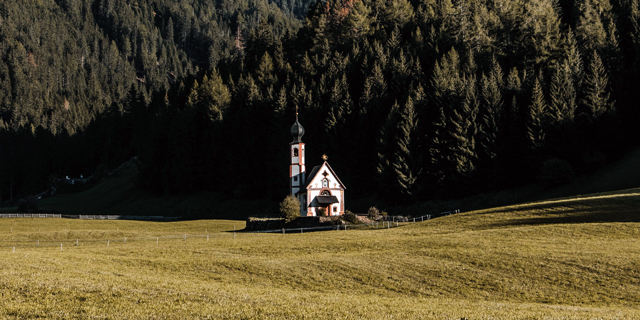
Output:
(575, 259)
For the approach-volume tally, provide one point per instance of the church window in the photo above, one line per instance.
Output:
(295, 152)
(335, 209)
(325, 193)
(325, 183)
(295, 178)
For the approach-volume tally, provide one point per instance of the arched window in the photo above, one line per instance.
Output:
(325, 193)
(325, 183)
(295, 152)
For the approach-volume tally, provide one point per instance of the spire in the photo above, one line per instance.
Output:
(297, 131)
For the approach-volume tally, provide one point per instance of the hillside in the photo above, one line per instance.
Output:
(573, 258)
(119, 195)
(411, 100)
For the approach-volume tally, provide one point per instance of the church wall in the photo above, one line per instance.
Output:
(337, 192)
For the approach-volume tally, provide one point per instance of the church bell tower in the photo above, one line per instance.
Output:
(297, 167)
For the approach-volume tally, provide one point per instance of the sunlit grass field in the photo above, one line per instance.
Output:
(576, 258)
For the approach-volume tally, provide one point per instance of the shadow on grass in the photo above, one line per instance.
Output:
(577, 213)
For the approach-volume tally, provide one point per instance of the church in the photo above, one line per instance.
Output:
(321, 189)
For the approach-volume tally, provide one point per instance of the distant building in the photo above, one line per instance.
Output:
(321, 188)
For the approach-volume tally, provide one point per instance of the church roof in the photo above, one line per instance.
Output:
(310, 177)
(297, 130)
(314, 173)
(325, 200)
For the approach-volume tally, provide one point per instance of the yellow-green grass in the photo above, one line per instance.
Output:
(567, 258)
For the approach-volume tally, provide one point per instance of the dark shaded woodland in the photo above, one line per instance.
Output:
(411, 100)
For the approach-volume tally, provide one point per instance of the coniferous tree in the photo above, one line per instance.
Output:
(461, 135)
(597, 99)
(562, 95)
(491, 109)
(386, 149)
(535, 114)
(404, 162)
(590, 27)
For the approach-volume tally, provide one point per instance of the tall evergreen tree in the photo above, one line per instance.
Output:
(562, 94)
(535, 131)
(404, 161)
(597, 100)
(491, 111)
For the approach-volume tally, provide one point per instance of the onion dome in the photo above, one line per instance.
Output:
(297, 131)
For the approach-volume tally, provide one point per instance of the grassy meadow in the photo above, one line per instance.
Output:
(576, 258)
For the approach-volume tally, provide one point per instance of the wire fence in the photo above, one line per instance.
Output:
(30, 215)
(62, 243)
(88, 216)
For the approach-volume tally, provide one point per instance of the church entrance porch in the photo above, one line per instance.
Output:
(325, 203)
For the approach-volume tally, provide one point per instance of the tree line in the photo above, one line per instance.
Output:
(411, 100)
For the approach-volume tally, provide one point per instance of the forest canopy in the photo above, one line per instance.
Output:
(412, 100)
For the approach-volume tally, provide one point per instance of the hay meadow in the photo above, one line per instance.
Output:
(576, 258)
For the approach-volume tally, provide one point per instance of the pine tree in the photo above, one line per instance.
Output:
(590, 28)
(386, 148)
(537, 108)
(491, 118)
(574, 58)
(563, 95)
(462, 132)
(404, 165)
(597, 100)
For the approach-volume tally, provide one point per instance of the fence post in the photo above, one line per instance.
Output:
(38, 242)
(61, 247)
(301, 231)
(184, 238)
(157, 240)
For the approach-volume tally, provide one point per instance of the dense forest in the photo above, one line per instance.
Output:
(410, 99)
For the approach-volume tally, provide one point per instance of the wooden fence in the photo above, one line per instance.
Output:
(88, 216)
(121, 217)
(30, 215)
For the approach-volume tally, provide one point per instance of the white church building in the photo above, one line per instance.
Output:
(321, 189)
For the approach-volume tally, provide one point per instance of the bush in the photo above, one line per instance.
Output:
(350, 217)
(555, 172)
(28, 205)
(290, 208)
(373, 213)
(321, 212)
